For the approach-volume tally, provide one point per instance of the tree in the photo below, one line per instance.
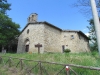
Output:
(85, 6)
(9, 30)
(92, 36)
(4, 6)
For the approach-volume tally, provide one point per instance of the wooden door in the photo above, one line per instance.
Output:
(63, 48)
(27, 48)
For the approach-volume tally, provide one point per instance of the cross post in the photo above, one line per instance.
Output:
(38, 46)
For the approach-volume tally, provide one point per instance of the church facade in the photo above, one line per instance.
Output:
(51, 38)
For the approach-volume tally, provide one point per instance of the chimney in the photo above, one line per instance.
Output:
(32, 18)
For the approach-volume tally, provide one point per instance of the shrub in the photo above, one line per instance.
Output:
(67, 50)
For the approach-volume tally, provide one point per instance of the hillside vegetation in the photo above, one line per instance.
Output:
(85, 59)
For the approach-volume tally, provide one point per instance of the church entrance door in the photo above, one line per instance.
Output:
(27, 48)
(27, 45)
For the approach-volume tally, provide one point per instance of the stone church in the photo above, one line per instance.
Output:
(50, 38)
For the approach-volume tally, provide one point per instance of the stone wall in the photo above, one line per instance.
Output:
(35, 36)
(83, 44)
(71, 41)
(52, 39)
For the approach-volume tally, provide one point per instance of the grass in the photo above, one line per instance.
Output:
(85, 59)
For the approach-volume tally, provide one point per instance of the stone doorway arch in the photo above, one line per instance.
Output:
(27, 42)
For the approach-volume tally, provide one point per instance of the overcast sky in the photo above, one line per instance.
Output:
(60, 13)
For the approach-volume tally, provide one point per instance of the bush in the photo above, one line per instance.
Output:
(67, 50)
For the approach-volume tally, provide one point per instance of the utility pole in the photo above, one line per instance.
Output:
(96, 22)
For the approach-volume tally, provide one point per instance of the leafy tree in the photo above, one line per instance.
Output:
(4, 6)
(92, 36)
(85, 8)
(9, 30)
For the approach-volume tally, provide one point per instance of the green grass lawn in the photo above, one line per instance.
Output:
(85, 59)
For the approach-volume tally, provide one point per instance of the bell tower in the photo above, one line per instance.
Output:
(32, 18)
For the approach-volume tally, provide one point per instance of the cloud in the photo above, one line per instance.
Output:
(87, 34)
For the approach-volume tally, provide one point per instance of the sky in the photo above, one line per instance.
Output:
(60, 13)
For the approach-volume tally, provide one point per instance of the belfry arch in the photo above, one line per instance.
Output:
(27, 42)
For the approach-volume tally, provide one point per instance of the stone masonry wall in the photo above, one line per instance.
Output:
(83, 44)
(35, 36)
(71, 41)
(52, 39)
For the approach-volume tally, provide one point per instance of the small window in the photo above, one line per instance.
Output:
(27, 31)
(65, 36)
(72, 36)
(32, 15)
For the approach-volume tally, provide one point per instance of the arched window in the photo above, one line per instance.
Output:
(28, 31)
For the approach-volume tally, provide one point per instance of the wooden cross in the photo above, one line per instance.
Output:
(38, 46)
